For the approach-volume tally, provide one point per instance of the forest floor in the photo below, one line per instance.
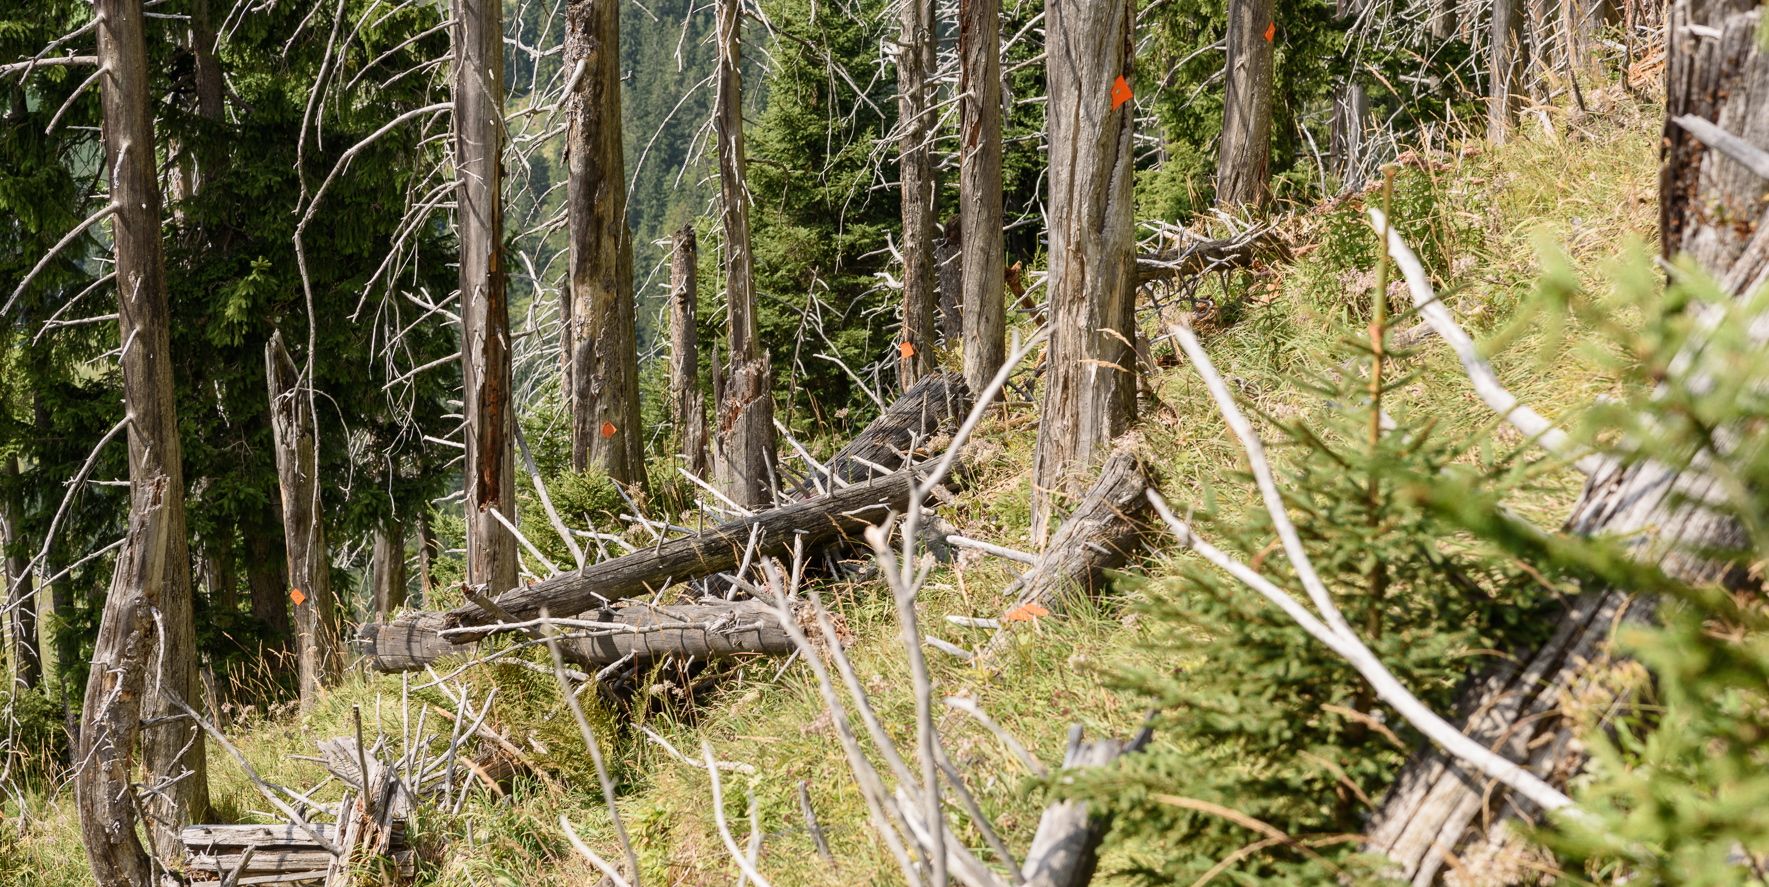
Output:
(1484, 218)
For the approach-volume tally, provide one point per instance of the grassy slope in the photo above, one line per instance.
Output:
(1592, 192)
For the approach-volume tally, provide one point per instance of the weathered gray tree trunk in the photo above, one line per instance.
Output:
(485, 316)
(1438, 807)
(148, 618)
(1506, 60)
(1444, 19)
(1065, 849)
(982, 258)
(687, 402)
(915, 57)
(1090, 375)
(427, 550)
(949, 282)
(1351, 110)
(604, 376)
(743, 439)
(387, 568)
(1243, 161)
(304, 534)
(21, 597)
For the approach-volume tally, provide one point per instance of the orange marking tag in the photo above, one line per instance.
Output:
(1120, 92)
(608, 430)
(1025, 613)
(296, 596)
(906, 349)
(1271, 31)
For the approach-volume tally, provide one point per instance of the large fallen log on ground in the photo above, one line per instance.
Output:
(1098, 536)
(900, 435)
(704, 630)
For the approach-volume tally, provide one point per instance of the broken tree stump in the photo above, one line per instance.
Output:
(1101, 534)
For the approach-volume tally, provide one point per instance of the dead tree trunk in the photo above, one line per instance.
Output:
(949, 286)
(21, 596)
(1099, 535)
(304, 534)
(902, 434)
(686, 399)
(605, 431)
(1351, 110)
(427, 549)
(485, 317)
(149, 610)
(1065, 849)
(982, 258)
(743, 443)
(915, 53)
(1438, 807)
(1090, 380)
(388, 568)
(1243, 161)
(1505, 66)
(267, 578)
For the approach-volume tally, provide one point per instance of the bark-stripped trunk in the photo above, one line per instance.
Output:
(1505, 66)
(267, 580)
(388, 568)
(147, 620)
(1090, 376)
(21, 598)
(915, 55)
(485, 316)
(1351, 109)
(304, 534)
(1438, 807)
(604, 351)
(982, 259)
(1243, 162)
(687, 402)
(743, 457)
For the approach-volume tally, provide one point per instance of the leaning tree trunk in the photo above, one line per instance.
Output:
(1090, 375)
(387, 568)
(981, 257)
(21, 596)
(1505, 65)
(743, 442)
(1243, 161)
(1717, 85)
(147, 620)
(915, 53)
(604, 391)
(304, 534)
(686, 400)
(488, 399)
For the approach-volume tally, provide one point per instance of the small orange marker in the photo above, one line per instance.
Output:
(608, 430)
(906, 349)
(296, 596)
(1025, 612)
(1271, 31)
(1120, 92)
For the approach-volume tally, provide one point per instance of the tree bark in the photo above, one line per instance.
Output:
(901, 435)
(1090, 377)
(488, 398)
(153, 572)
(1437, 807)
(304, 536)
(388, 568)
(1099, 535)
(21, 590)
(915, 53)
(1243, 163)
(686, 399)
(605, 430)
(267, 579)
(427, 550)
(1351, 110)
(949, 274)
(743, 458)
(1065, 849)
(982, 257)
(1506, 58)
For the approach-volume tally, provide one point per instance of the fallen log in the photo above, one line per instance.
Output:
(900, 435)
(1203, 256)
(1439, 809)
(1065, 849)
(1100, 535)
(705, 630)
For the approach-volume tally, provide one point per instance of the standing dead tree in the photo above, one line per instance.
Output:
(1243, 160)
(21, 601)
(982, 258)
(1506, 60)
(1713, 174)
(599, 315)
(488, 400)
(1090, 387)
(388, 567)
(147, 620)
(743, 439)
(687, 402)
(915, 62)
(304, 534)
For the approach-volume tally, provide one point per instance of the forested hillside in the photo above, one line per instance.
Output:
(802, 442)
